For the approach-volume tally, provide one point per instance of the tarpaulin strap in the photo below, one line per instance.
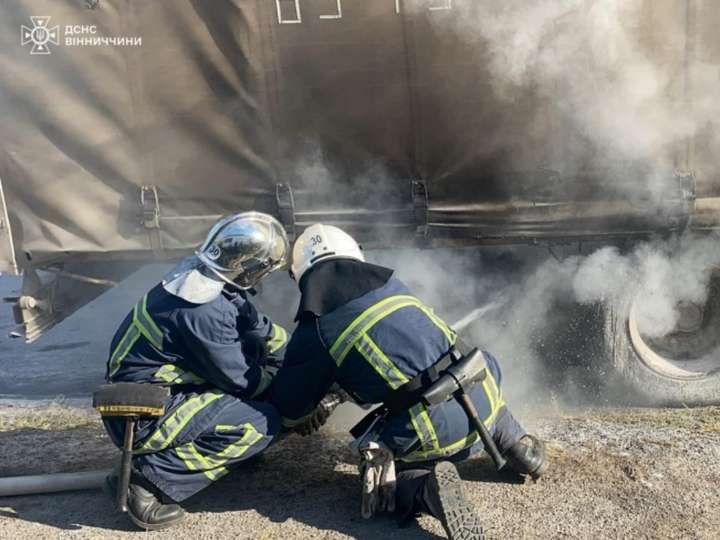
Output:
(173, 374)
(374, 314)
(278, 338)
(141, 325)
(213, 465)
(494, 396)
(165, 434)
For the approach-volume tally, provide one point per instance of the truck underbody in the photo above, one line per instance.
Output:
(405, 123)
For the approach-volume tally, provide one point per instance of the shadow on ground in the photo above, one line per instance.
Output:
(309, 481)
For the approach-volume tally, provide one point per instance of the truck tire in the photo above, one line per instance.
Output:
(680, 368)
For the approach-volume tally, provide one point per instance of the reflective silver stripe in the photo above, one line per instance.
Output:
(380, 362)
(342, 345)
(194, 461)
(492, 392)
(165, 434)
(423, 427)
(278, 340)
(146, 325)
(141, 325)
(132, 334)
(213, 465)
(450, 334)
(236, 450)
(173, 374)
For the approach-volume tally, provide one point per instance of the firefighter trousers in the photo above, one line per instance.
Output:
(198, 440)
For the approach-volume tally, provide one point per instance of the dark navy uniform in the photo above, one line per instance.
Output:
(218, 358)
(363, 329)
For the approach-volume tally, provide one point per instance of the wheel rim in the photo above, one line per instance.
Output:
(692, 350)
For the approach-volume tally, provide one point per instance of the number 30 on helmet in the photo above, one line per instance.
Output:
(243, 248)
(319, 243)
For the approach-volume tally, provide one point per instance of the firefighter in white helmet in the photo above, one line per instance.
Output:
(363, 329)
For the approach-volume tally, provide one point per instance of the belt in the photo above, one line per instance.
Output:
(410, 393)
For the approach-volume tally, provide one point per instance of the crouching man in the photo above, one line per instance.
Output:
(198, 333)
(362, 328)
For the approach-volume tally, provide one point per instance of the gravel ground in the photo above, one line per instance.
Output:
(631, 473)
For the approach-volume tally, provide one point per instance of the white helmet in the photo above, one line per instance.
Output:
(320, 243)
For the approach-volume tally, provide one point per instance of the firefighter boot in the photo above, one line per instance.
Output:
(444, 497)
(145, 508)
(527, 456)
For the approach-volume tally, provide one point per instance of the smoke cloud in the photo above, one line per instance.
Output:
(512, 301)
(622, 82)
(617, 86)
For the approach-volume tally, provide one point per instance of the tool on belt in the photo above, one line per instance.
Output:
(453, 376)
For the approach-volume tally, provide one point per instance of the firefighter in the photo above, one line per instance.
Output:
(198, 333)
(361, 328)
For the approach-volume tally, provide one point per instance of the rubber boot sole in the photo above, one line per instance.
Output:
(458, 517)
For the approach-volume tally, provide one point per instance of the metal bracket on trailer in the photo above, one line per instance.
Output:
(683, 199)
(150, 206)
(286, 208)
(420, 207)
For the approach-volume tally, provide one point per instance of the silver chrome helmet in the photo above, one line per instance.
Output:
(243, 248)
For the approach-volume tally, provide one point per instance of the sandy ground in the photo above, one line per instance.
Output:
(631, 473)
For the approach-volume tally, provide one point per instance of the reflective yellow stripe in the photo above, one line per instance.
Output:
(423, 427)
(236, 450)
(364, 322)
(146, 325)
(444, 328)
(380, 363)
(132, 334)
(141, 325)
(194, 461)
(278, 340)
(173, 424)
(213, 466)
(375, 313)
(172, 374)
(492, 392)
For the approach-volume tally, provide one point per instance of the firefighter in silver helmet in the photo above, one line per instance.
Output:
(198, 333)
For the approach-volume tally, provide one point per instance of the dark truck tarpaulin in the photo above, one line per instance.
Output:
(129, 126)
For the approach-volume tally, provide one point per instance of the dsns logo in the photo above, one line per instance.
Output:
(41, 35)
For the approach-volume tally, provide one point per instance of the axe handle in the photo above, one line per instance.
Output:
(125, 464)
(490, 446)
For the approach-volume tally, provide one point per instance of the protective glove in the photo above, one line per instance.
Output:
(320, 415)
(377, 471)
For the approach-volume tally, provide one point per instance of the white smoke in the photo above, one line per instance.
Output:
(656, 276)
(609, 74)
(512, 312)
